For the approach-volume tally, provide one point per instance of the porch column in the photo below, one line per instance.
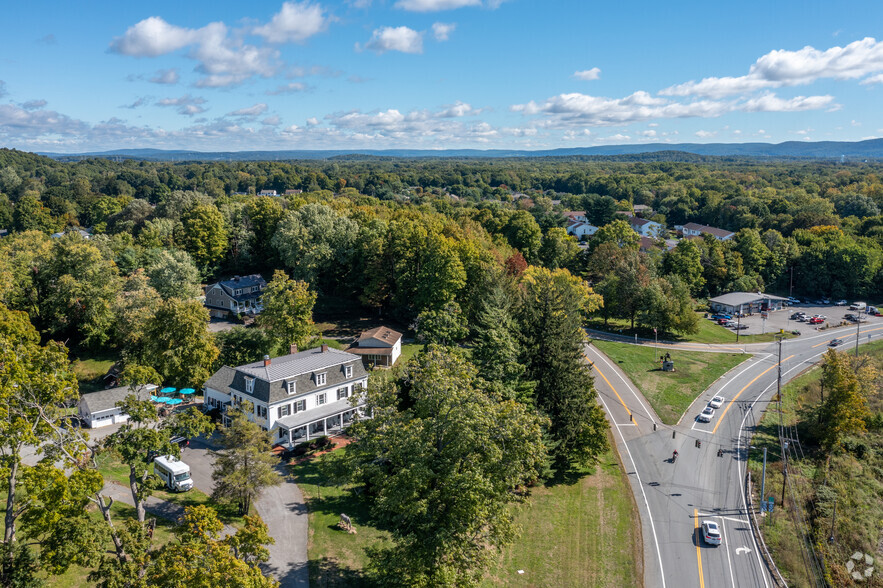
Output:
(325, 426)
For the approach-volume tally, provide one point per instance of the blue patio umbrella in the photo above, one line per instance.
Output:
(156, 398)
(174, 401)
(187, 391)
(167, 390)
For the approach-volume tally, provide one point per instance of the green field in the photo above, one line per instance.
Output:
(583, 532)
(580, 533)
(670, 393)
(89, 370)
(709, 332)
(854, 477)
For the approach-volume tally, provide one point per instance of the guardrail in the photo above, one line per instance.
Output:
(755, 528)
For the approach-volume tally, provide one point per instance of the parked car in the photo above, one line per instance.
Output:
(835, 342)
(856, 318)
(730, 324)
(816, 320)
(716, 402)
(793, 300)
(706, 415)
(826, 301)
(739, 327)
(797, 316)
(860, 306)
(711, 533)
(821, 316)
(717, 317)
(841, 303)
(181, 442)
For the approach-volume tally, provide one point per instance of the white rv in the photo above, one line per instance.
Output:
(173, 472)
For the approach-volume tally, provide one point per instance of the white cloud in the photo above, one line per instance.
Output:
(224, 60)
(187, 105)
(575, 109)
(790, 68)
(649, 134)
(137, 103)
(294, 23)
(165, 76)
(705, 134)
(402, 39)
(290, 88)
(250, 112)
(457, 109)
(442, 31)
(312, 121)
(272, 121)
(434, 5)
(152, 37)
(588, 74)
(875, 79)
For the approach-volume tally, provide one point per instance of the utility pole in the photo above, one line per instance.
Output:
(738, 324)
(858, 326)
(763, 478)
(791, 287)
(833, 518)
(784, 469)
(656, 345)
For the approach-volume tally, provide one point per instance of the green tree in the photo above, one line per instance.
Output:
(204, 236)
(685, 261)
(441, 460)
(264, 214)
(241, 345)
(667, 306)
(844, 410)
(523, 233)
(441, 327)
(314, 240)
(245, 467)
(133, 309)
(173, 274)
(618, 232)
(558, 249)
(31, 215)
(178, 344)
(288, 311)
(552, 309)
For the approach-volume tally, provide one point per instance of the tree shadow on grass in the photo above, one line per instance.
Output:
(328, 573)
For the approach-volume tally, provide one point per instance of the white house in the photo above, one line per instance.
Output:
(297, 396)
(99, 409)
(697, 230)
(378, 346)
(580, 229)
(576, 216)
(644, 227)
(267, 193)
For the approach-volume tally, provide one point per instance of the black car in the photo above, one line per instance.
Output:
(835, 342)
(181, 442)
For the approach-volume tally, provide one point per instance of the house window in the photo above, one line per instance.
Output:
(284, 411)
(320, 399)
(341, 393)
(262, 411)
(300, 405)
(357, 387)
(348, 371)
(291, 387)
(320, 379)
(249, 385)
(237, 292)
(282, 433)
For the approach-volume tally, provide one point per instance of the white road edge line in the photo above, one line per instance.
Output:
(729, 559)
(643, 494)
(627, 385)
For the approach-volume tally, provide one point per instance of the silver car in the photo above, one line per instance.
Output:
(706, 415)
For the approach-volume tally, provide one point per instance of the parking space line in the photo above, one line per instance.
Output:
(736, 397)
(698, 543)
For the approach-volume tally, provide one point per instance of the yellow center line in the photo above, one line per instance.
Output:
(846, 336)
(600, 373)
(698, 543)
(736, 397)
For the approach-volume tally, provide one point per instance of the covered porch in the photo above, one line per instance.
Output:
(326, 420)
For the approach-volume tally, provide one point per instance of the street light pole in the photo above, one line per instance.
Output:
(858, 326)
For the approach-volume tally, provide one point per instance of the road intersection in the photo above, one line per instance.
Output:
(673, 497)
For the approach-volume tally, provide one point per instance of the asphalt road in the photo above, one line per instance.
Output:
(674, 498)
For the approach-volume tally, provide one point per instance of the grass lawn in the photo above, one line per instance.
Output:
(709, 332)
(336, 558)
(670, 393)
(580, 533)
(853, 476)
(89, 370)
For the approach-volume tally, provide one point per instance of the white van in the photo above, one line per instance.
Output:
(173, 472)
(860, 306)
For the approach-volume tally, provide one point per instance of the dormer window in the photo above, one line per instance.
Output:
(291, 387)
(249, 385)
(348, 371)
(320, 379)
(237, 292)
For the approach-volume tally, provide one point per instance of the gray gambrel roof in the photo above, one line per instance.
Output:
(270, 381)
(102, 400)
(221, 380)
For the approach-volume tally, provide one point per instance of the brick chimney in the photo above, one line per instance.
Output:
(324, 347)
(266, 360)
(293, 348)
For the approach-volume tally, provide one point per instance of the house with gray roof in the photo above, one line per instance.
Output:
(297, 396)
(239, 295)
(380, 346)
(99, 409)
(697, 230)
(746, 302)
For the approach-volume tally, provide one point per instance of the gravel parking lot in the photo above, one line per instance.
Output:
(780, 319)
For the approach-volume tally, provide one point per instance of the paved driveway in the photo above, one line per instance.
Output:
(281, 507)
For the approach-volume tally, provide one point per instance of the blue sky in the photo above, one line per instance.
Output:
(379, 74)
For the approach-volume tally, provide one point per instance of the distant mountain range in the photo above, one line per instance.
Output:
(871, 148)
